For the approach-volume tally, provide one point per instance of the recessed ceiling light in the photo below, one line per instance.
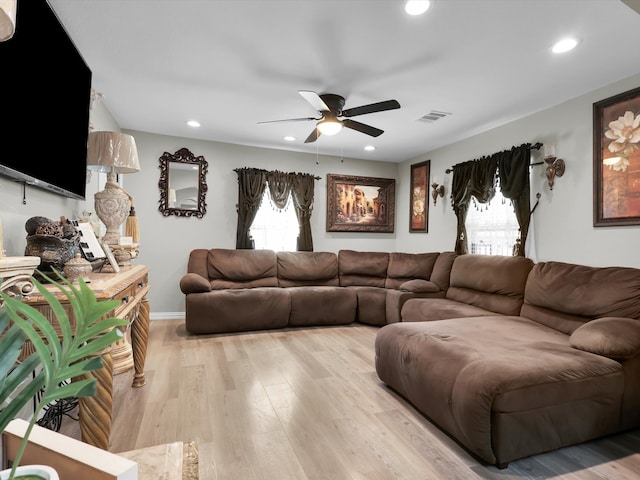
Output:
(289, 138)
(369, 148)
(193, 123)
(417, 7)
(564, 45)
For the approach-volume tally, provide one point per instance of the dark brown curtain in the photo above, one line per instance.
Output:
(513, 168)
(279, 188)
(251, 185)
(478, 178)
(302, 193)
(473, 178)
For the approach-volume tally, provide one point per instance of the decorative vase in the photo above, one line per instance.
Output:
(77, 267)
(112, 206)
(31, 472)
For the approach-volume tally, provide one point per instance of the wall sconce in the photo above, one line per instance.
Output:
(436, 191)
(555, 166)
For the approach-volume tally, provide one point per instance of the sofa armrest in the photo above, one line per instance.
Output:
(613, 337)
(419, 286)
(396, 299)
(194, 283)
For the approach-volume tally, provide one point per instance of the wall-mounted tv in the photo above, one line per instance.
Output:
(43, 135)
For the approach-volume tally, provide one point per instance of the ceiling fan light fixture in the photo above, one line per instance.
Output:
(417, 7)
(329, 126)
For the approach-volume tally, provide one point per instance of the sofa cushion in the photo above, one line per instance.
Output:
(441, 274)
(362, 268)
(409, 266)
(307, 268)
(236, 310)
(564, 296)
(429, 309)
(612, 337)
(371, 304)
(321, 305)
(229, 268)
(419, 286)
(495, 283)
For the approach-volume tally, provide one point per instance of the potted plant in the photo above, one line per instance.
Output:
(59, 357)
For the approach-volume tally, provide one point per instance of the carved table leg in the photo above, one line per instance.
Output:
(139, 340)
(95, 412)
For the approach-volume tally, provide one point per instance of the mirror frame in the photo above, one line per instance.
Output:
(183, 155)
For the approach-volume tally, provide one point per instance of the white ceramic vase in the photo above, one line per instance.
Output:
(42, 471)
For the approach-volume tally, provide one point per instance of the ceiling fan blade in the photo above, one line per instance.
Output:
(361, 127)
(313, 136)
(314, 99)
(289, 120)
(371, 108)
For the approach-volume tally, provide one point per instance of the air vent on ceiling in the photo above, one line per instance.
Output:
(433, 115)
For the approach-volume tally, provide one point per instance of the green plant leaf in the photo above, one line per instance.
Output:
(78, 388)
(20, 400)
(71, 355)
(96, 344)
(22, 372)
(80, 368)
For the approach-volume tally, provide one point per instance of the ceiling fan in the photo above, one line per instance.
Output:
(330, 107)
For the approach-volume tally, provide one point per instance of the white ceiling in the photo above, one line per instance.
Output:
(233, 63)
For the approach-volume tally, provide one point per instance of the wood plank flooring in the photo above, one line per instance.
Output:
(306, 404)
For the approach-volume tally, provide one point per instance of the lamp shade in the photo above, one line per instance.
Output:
(112, 152)
(7, 19)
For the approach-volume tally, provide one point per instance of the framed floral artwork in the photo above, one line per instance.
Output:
(360, 204)
(419, 194)
(616, 160)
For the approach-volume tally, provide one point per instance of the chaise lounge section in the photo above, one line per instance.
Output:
(564, 370)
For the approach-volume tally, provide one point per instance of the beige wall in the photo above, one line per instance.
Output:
(563, 222)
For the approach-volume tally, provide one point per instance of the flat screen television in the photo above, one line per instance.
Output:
(43, 135)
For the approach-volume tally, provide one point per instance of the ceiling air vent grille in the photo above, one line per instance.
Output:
(433, 115)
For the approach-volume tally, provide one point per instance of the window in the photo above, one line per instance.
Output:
(275, 229)
(492, 228)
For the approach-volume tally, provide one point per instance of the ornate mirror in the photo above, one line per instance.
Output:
(183, 184)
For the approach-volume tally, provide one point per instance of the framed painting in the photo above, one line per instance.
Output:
(360, 204)
(616, 160)
(419, 194)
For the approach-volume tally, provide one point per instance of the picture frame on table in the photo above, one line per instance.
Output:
(616, 160)
(360, 204)
(112, 260)
(419, 197)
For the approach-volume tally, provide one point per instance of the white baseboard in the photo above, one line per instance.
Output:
(166, 315)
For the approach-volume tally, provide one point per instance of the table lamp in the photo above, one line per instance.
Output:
(112, 153)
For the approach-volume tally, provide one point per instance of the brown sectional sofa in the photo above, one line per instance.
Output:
(230, 290)
(509, 357)
(509, 382)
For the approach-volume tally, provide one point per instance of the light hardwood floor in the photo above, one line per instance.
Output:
(306, 404)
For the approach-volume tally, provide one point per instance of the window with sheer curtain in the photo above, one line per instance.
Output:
(492, 228)
(273, 228)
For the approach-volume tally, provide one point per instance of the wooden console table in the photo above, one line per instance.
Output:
(130, 286)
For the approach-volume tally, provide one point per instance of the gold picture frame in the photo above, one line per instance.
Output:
(360, 204)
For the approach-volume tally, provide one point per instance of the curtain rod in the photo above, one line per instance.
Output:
(536, 146)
